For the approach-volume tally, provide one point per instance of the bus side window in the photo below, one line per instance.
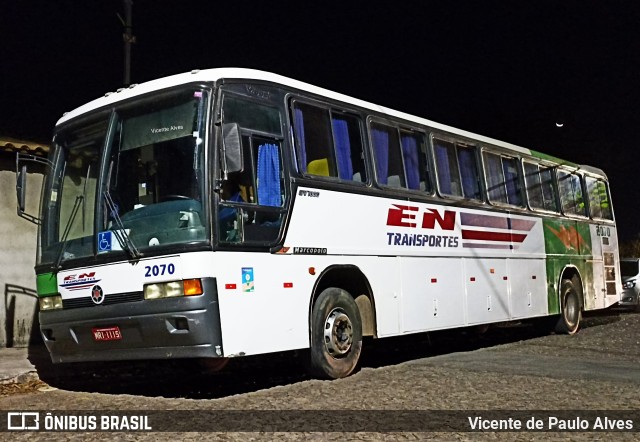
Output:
(570, 188)
(414, 152)
(388, 158)
(469, 172)
(348, 147)
(534, 186)
(548, 194)
(539, 184)
(457, 169)
(599, 206)
(447, 168)
(313, 140)
(328, 143)
(495, 180)
(260, 183)
(503, 179)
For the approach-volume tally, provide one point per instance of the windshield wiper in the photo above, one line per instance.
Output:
(84, 193)
(67, 229)
(120, 233)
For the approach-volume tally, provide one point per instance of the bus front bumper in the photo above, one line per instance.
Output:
(184, 327)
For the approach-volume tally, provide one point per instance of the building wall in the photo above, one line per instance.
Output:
(18, 302)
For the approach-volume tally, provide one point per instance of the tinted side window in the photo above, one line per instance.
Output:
(414, 152)
(570, 189)
(328, 143)
(599, 204)
(252, 115)
(400, 157)
(548, 194)
(388, 158)
(251, 198)
(348, 146)
(457, 169)
(503, 179)
(539, 183)
(495, 178)
(314, 141)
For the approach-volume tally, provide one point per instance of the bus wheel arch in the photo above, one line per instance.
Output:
(351, 279)
(571, 301)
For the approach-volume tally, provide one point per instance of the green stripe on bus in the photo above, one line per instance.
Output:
(567, 244)
(544, 156)
(47, 284)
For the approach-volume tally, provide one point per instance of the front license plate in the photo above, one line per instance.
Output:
(107, 333)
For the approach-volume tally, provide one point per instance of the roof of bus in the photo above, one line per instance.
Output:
(212, 75)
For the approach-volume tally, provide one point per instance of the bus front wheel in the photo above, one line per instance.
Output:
(571, 312)
(336, 334)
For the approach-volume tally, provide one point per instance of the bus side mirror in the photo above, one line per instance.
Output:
(21, 188)
(233, 161)
(21, 184)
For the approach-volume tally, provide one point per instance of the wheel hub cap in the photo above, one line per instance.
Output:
(338, 333)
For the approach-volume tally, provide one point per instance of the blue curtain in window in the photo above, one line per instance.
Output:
(444, 171)
(509, 166)
(343, 148)
(411, 162)
(495, 178)
(269, 175)
(381, 150)
(302, 148)
(468, 172)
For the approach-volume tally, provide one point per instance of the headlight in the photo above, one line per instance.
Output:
(629, 284)
(173, 289)
(50, 302)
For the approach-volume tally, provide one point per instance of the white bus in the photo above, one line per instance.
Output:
(231, 212)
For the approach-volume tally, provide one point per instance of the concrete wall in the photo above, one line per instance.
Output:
(18, 240)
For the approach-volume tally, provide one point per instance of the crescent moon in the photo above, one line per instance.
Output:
(559, 124)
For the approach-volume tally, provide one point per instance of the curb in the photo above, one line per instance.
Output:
(21, 378)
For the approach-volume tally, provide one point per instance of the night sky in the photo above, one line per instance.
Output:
(505, 69)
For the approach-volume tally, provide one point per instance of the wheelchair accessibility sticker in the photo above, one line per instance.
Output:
(104, 241)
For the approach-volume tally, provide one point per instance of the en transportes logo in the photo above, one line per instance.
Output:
(452, 228)
(79, 281)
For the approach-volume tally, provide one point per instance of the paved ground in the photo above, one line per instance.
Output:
(595, 370)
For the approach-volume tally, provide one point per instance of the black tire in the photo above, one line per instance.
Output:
(545, 325)
(336, 334)
(570, 308)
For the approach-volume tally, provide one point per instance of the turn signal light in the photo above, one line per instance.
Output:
(192, 287)
(172, 289)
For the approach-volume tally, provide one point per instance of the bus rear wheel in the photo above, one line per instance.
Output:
(571, 312)
(336, 334)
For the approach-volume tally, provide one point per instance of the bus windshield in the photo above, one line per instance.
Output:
(153, 181)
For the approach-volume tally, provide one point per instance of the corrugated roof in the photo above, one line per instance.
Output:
(13, 145)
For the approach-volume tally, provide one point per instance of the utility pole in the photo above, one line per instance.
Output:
(129, 39)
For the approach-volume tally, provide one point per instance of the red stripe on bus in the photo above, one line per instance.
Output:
(477, 220)
(493, 236)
